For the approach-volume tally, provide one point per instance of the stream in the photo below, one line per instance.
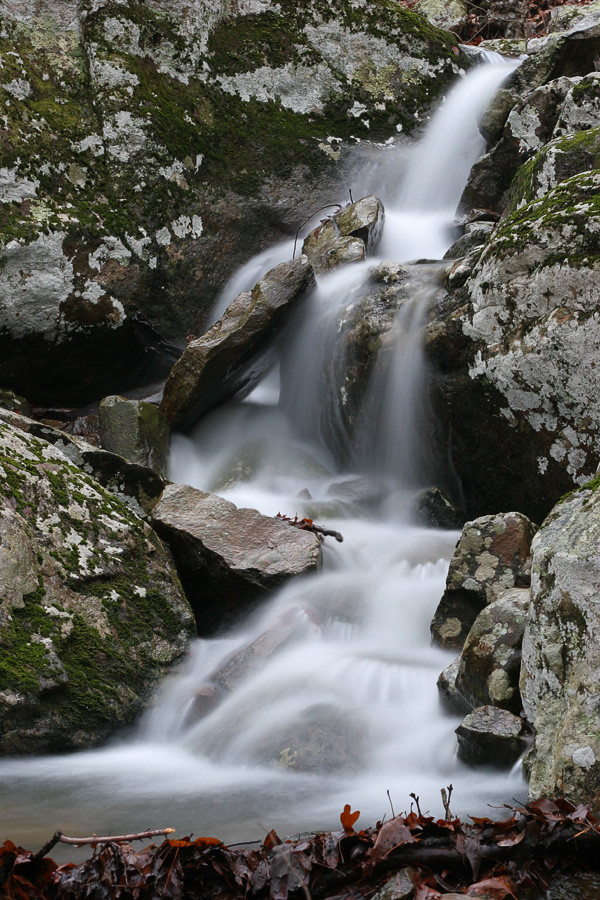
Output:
(357, 681)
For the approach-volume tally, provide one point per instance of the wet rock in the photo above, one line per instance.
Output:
(475, 235)
(229, 558)
(135, 485)
(137, 431)
(491, 737)
(559, 675)
(452, 702)
(490, 662)
(492, 556)
(433, 509)
(530, 124)
(399, 886)
(92, 614)
(346, 237)
(237, 351)
(321, 739)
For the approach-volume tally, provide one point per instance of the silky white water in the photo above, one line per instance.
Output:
(358, 674)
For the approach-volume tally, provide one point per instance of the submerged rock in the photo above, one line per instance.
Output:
(433, 509)
(237, 351)
(92, 613)
(492, 556)
(229, 558)
(491, 737)
(561, 649)
(321, 739)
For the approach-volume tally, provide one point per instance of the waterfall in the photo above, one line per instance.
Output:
(354, 683)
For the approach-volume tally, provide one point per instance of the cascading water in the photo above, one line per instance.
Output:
(348, 708)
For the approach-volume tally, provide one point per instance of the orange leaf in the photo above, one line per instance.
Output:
(348, 819)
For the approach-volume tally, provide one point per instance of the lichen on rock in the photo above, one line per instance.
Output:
(91, 610)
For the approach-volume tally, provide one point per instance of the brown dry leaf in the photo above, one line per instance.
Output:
(391, 835)
(348, 818)
(493, 888)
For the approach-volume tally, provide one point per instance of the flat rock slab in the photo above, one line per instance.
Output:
(237, 351)
(228, 558)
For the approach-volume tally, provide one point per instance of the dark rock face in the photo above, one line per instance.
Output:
(490, 662)
(492, 556)
(491, 737)
(91, 609)
(229, 558)
(237, 351)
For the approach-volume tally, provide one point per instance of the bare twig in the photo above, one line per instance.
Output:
(59, 837)
(308, 525)
(446, 801)
(416, 799)
(392, 805)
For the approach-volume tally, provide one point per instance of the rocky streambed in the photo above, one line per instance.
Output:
(127, 196)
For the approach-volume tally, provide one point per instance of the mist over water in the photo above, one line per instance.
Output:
(358, 661)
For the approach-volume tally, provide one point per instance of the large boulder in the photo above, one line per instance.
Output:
(491, 557)
(229, 558)
(92, 613)
(144, 142)
(561, 647)
(238, 350)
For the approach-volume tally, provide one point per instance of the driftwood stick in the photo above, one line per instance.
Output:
(59, 837)
(116, 838)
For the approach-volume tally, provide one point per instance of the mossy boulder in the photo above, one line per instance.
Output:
(92, 614)
(143, 143)
(559, 672)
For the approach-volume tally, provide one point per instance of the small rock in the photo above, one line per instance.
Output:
(451, 701)
(348, 236)
(433, 509)
(491, 737)
(137, 431)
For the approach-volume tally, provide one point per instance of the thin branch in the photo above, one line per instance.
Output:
(59, 837)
